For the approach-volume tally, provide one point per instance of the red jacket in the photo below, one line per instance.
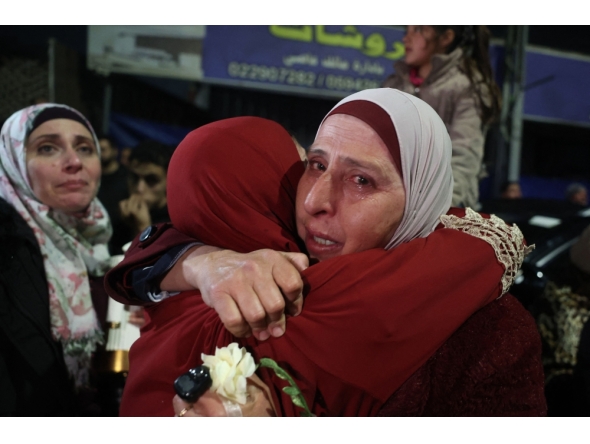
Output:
(491, 366)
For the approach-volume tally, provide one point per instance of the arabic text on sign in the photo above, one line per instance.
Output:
(374, 45)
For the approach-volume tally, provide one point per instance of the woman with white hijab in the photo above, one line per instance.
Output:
(420, 154)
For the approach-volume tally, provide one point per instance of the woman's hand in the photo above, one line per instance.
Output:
(211, 404)
(251, 291)
(248, 291)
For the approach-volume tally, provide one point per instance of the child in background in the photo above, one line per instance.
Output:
(449, 68)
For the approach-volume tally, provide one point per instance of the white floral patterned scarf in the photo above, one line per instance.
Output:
(72, 247)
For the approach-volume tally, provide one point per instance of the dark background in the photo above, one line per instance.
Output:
(548, 149)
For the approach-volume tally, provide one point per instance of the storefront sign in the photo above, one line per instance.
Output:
(318, 60)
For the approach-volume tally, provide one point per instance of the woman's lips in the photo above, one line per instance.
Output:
(73, 185)
(319, 244)
(322, 241)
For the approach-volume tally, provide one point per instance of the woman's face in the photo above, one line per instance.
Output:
(421, 43)
(351, 197)
(63, 165)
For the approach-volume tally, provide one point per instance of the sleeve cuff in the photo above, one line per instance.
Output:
(145, 281)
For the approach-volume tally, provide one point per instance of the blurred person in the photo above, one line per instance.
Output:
(146, 178)
(337, 312)
(511, 190)
(54, 235)
(561, 314)
(449, 68)
(581, 256)
(147, 202)
(113, 189)
(39, 100)
(124, 157)
(577, 194)
(582, 369)
(109, 158)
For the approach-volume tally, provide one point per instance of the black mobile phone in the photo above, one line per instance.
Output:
(192, 384)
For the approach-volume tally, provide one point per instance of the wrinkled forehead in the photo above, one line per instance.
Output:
(377, 119)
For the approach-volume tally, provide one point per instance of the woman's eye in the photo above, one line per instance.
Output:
(360, 180)
(45, 149)
(86, 149)
(314, 164)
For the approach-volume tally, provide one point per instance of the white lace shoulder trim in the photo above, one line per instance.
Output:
(507, 241)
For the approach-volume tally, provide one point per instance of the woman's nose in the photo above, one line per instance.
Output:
(320, 197)
(72, 161)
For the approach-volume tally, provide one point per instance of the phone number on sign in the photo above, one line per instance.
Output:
(296, 77)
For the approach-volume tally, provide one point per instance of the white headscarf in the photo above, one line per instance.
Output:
(71, 247)
(425, 154)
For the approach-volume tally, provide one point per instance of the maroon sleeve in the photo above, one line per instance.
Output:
(141, 254)
(491, 366)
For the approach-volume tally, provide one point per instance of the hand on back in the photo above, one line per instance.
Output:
(251, 292)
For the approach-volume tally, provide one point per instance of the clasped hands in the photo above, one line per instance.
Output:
(249, 291)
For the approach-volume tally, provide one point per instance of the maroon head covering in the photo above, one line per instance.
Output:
(253, 210)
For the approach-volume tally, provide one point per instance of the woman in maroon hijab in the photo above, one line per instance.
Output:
(362, 333)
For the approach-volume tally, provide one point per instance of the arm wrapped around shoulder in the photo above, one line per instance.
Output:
(507, 241)
(145, 250)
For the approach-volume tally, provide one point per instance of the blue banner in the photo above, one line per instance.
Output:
(338, 60)
(324, 60)
(128, 131)
(557, 87)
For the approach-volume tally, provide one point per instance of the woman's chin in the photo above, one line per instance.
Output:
(75, 208)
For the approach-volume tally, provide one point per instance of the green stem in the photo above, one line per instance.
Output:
(293, 390)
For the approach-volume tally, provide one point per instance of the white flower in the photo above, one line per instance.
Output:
(229, 369)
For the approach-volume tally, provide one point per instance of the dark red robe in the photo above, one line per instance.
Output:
(370, 320)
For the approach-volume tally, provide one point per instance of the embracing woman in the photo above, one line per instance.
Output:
(387, 292)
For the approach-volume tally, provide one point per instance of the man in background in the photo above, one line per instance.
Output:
(577, 194)
(146, 180)
(113, 189)
(511, 190)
